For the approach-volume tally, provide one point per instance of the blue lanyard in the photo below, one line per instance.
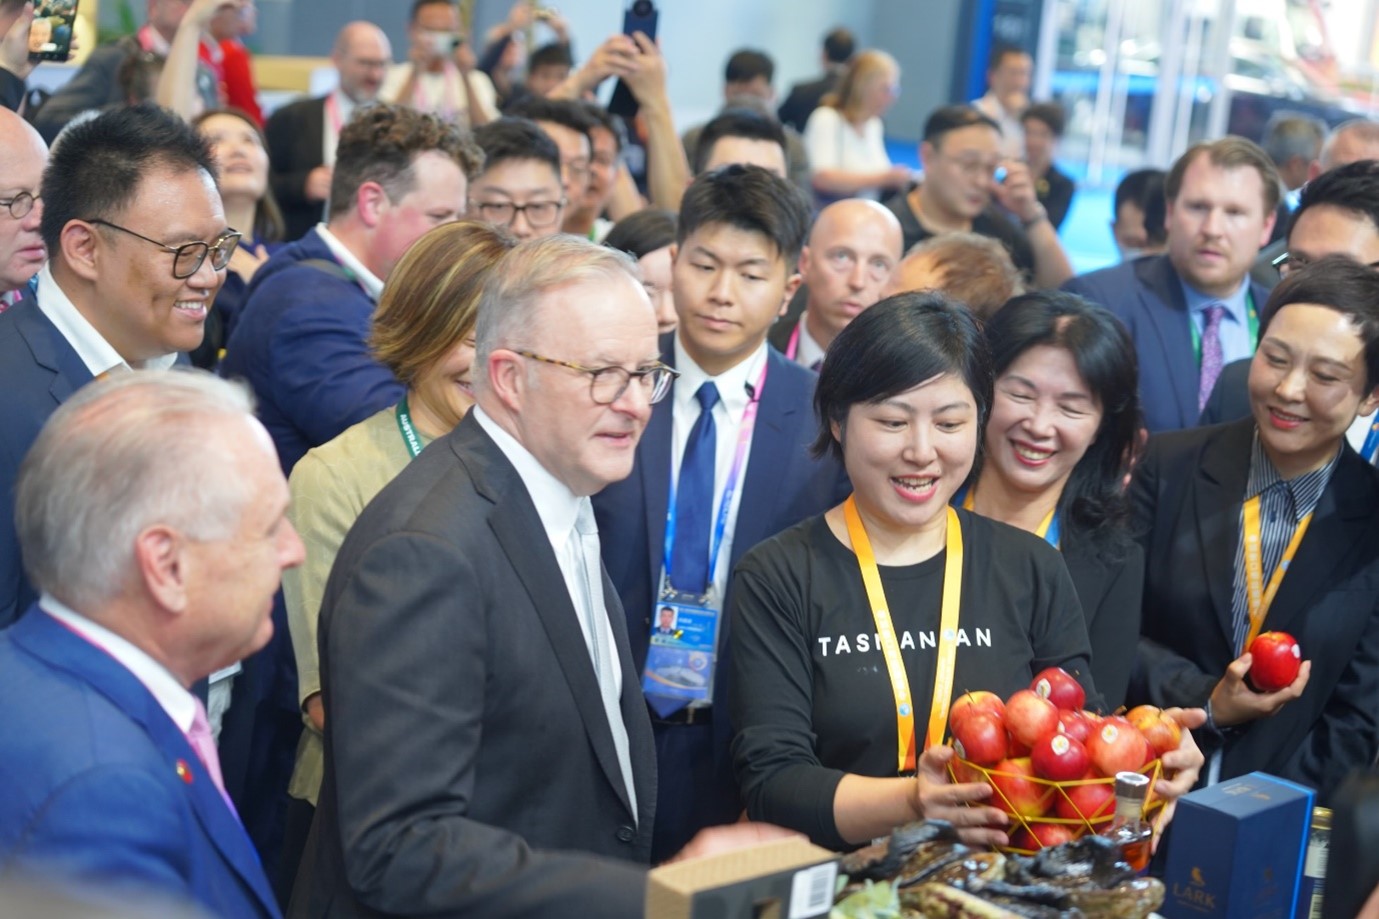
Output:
(1371, 447)
(720, 528)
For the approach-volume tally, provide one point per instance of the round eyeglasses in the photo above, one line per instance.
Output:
(607, 384)
(20, 205)
(187, 258)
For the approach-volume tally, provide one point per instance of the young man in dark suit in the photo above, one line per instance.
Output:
(487, 750)
(302, 136)
(113, 783)
(1272, 524)
(724, 464)
(1194, 309)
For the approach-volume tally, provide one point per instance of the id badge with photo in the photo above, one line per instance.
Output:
(684, 642)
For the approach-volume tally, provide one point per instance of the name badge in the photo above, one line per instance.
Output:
(684, 649)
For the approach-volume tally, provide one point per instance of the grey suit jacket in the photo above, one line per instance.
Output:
(465, 735)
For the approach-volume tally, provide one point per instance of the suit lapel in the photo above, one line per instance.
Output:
(768, 460)
(50, 350)
(1336, 528)
(50, 640)
(1171, 327)
(654, 468)
(522, 537)
(1219, 492)
(640, 743)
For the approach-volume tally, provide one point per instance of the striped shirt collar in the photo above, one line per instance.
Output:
(1304, 491)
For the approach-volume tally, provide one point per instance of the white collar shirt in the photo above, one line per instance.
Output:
(372, 284)
(95, 352)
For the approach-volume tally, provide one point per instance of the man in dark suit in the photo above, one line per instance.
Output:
(112, 777)
(739, 233)
(470, 638)
(1285, 481)
(805, 97)
(1194, 309)
(23, 154)
(132, 186)
(851, 258)
(302, 136)
(1338, 214)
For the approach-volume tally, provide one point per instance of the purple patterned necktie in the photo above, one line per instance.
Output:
(1212, 358)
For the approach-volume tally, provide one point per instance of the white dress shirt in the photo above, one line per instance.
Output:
(95, 352)
(808, 352)
(371, 283)
(733, 396)
(172, 696)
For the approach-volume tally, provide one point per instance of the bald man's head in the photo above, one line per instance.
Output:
(1357, 139)
(361, 55)
(22, 158)
(853, 250)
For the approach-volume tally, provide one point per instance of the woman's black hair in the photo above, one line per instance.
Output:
(1094, 500)
(895, 346)
(642, 233)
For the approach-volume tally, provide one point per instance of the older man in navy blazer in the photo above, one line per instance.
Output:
(740, 232)
(151, 577)
(1194, 309)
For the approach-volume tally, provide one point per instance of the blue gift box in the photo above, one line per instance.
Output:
(1236, 850)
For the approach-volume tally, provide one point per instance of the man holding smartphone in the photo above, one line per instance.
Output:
(441, 76)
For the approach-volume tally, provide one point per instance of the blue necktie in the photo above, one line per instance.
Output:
(689, 558)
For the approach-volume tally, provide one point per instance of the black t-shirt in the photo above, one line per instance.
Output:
(811, 696)
(989, 222)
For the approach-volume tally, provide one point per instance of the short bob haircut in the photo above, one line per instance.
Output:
(1093, 500)
(431, 302)
(1341, 284)
(642, 233)
(893, 347)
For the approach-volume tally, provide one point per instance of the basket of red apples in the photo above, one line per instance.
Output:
(1051, 764)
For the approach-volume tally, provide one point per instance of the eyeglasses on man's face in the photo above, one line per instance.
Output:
(503, 213)
(20, 205)
(607, 384)
(1289, 262)
(187, 258)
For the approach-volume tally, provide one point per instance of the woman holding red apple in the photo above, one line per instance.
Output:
(1269, 525)
(1060, 441)
(854, 631)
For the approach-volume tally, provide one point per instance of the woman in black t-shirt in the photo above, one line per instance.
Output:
(1063, 431)
(828, 735)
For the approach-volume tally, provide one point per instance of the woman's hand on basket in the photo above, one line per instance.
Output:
(937, 797)
(1181, 767)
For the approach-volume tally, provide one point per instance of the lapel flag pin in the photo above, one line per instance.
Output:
(184, 772)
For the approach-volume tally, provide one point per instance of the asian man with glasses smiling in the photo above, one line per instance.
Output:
(106, 301)
(1338, 214)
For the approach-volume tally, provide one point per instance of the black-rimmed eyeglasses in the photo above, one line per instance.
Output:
(1289, 262)
(607, 384)
(20, 205)
(187, 258)
(503, 213)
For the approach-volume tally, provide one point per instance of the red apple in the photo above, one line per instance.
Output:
(1076, 725)
(1043, 836)
(1162, 732)
(1118, 747)
(1015, 747)
(970, 702)
(1060, 687)
(1086, 802)
(1016, 791)
(980, 738)
(1059, 758)
(1276, 659)
(1030, 717)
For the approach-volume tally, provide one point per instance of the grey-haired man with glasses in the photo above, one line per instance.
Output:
(137, 245)
(23, 154)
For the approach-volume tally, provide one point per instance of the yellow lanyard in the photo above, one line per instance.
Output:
(969, 499)
(1256, 594)
(890, 648)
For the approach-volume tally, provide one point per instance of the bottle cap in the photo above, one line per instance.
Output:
(1132, 785)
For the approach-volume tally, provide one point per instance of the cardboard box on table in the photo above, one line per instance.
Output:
(1236, 850)
(786, 879)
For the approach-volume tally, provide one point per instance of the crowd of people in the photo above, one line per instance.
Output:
(587, 455)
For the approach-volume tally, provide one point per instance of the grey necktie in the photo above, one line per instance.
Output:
(601, 651)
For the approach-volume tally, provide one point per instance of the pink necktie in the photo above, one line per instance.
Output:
(200, 738)
(1212, 357)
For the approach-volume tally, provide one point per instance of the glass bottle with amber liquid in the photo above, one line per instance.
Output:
(1128, 828)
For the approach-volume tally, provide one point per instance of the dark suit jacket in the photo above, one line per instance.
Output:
(1187, 492)
(1110, 592)
(804, 98)
(38, 371)
(466, 737)
(1230, 397)
(1147, 297)
(92, 785)
(296, 133)
(782, 486)
(301, 342)
(11, 90)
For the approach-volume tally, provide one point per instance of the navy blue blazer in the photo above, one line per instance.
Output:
(38, 371)
(1147, 296)
(94, 789)
(301, 343)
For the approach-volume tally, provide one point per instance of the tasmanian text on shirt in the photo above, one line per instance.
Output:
(863, 642)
